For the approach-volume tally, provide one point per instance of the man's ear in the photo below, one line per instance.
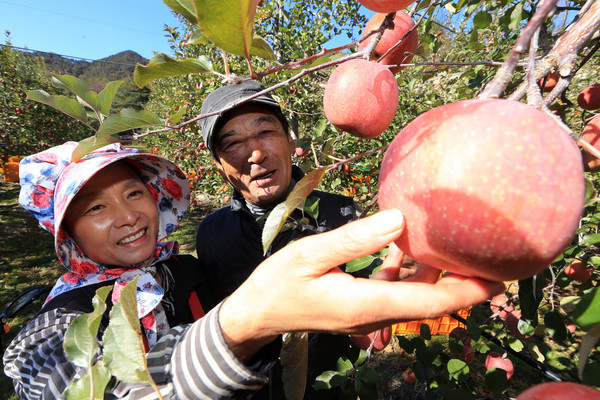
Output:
(221, 171)
(291, 145)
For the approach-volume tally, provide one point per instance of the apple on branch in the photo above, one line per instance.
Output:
(386, 6)
(560, 391)
(401, 54)
(589, 98)
(489, 188)
(361, 98)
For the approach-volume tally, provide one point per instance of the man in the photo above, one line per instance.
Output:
(252, 148)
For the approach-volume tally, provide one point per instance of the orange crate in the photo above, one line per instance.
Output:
(11, 172)
(438, 326)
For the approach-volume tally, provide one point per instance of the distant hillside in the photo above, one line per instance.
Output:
(97, 73)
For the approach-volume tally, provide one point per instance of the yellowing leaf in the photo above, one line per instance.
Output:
(230, 26)
(162, 66)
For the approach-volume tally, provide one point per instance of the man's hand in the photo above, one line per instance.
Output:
(300, 288)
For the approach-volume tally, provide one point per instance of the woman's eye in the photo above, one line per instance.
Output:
(93, 209)
(136, 193)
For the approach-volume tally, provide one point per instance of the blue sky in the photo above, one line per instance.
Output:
(89, 29)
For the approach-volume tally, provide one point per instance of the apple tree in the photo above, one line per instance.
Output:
(469, 52)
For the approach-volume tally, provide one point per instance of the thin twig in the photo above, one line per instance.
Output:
(495, 88)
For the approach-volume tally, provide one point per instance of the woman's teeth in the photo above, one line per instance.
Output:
(133, 237)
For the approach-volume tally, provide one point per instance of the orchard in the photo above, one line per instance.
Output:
(477, 119)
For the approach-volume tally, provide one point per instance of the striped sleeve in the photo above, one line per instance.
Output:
(204, 367)
(189, 362)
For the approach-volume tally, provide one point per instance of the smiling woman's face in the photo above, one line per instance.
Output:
(255, 154)
(114, 218)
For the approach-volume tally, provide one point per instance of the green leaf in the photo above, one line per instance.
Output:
(185, 8)
(311, 207)
(343, 364)
(81, 343)
(359, 263)
(496, 381)
(123, 343)
(161, 66)
(82, 387)
(230, 26)
(320, 128)
(282, 211)
(457, 369)
(107, 95)
(555, 325)
(294, 360)
(587, 344)
(62, 103)
(592, 239)
(482, 20)
(77, 87)
(92, 143)
(326, 380)
(587, 311)
(175, 118)
(531, 293)
(128, 119)
(515, 17)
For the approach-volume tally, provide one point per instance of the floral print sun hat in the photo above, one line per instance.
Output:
(50, 180)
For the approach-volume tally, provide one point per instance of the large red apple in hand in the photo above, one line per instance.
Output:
(560, 391)
(404, 52)
(361, 98)
(385, 6)
(489, 188)
(589, 98)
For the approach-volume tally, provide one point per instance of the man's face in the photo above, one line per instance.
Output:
(114, 218)
(255, 154)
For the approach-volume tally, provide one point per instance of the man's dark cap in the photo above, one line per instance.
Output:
(223, 98)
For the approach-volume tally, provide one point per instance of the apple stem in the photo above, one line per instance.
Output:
(399, 42)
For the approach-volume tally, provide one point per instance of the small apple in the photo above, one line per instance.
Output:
(497, 360)
(361, 98)
(578, 271)
(591, 134)
(473, 181)
(560, 391)
(512, 324)
(589, 98)
(383, 338)
(300, 152)
(549, 81)
(500, 302)
(404, 52)
(385, 6)
(409, 377)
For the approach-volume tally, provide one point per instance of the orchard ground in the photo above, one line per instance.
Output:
(27, 259)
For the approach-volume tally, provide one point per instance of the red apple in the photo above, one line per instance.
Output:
(404, 52)
(499, 302)
(409, 377)
(489, 188)
(384, 336)
(549, 81)
(560, 391)
(578, 271)
(301, 152)
(589, 98)
(512, 324)
(497, 360)
(361, 98)
(591, 134)
(385, 6)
